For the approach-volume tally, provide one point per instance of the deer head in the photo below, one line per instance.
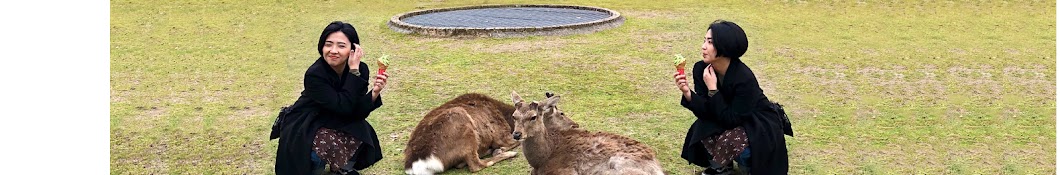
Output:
(554, 117)
(529, 119)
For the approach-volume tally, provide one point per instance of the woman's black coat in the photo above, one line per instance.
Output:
(739, 102)
(340, 103)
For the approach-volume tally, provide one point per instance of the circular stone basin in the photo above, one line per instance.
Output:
(506, 21)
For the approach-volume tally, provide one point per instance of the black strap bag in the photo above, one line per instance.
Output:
(281, 119)
(779, 109)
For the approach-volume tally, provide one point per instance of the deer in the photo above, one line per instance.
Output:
(575, 150)
(457, 134)
(558, 120)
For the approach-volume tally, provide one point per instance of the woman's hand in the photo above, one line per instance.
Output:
(682, 84)
(709, 78)
(380, 83)
(355, 58)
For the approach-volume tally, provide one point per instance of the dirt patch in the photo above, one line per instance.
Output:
(521, 46)
(256, 148)
(663, 88)
(831, 77)
(870, 52)
(118, 96)
(867, 114)
(958, 51)
(813, 51)
(653, 14)
(982, 78)
(402, 134)
(149, 113)
(212, 96)
(179, 97)
(666, 42)
(1012, 51)
(154, 161)
(425, 41)
(640, 116)
(247, 114)
(785, 51)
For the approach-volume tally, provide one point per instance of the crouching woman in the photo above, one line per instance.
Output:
(326, 126)
(733, 116)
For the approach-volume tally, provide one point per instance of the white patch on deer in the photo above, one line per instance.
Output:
(430, 165)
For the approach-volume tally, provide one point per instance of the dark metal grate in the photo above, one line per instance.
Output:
(506, 17)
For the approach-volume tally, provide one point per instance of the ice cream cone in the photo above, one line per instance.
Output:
(679, 63)
(382, 62)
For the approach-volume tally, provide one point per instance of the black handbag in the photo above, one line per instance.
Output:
(281, 119)
(779, 109)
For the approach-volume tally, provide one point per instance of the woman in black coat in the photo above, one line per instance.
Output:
(327, 126)
(732, 114)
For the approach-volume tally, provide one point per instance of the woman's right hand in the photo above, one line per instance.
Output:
(681, 81)
(355, 56)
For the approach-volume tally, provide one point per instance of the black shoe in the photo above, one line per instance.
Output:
(348, 169)
(351, 172)
(718, 171)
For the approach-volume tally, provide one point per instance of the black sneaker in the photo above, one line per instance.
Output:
(718, 171)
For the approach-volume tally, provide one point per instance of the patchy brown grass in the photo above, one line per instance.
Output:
(871, 87)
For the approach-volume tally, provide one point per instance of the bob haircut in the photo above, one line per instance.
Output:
(337, 26)
(729, 39)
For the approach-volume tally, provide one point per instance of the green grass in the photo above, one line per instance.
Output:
(903, 87)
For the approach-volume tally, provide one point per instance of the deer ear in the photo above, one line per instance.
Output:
(551, 101)
(516, 99)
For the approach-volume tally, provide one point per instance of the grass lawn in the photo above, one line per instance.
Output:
(904, 87)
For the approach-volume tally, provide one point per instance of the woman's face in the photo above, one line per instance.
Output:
(337, 49)
(709, 54)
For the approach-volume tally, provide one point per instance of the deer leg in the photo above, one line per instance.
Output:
(470, 152)
(474, 164)
(502, 152)
(491, 151)
(504, 145)
(500, 156)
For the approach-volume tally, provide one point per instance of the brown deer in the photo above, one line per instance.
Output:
(576, 151)
(557, 119)
(458, 132)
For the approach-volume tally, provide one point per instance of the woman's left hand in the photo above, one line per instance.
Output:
(709, 78)
(380, 82)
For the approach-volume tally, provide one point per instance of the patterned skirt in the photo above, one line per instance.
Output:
(335, 147)
(727, 145)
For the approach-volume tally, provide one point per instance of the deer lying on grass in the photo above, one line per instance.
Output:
(458, 132)
(576, 151)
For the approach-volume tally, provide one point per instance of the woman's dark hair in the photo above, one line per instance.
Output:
(729, 39)
(345, 28)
